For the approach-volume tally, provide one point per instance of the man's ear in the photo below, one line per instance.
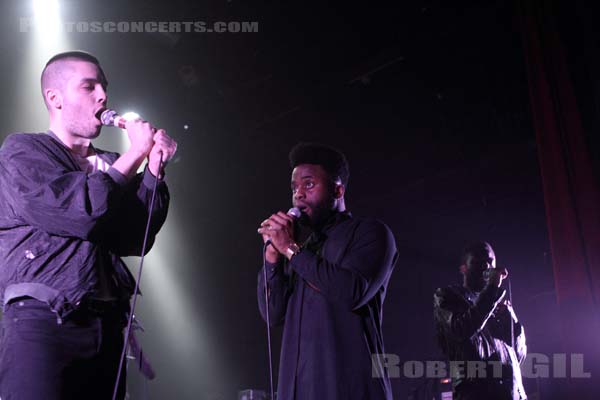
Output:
(53, 98)
(339, 190)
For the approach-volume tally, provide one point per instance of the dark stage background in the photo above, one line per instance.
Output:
(430, 104)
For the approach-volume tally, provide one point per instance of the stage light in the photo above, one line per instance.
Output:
(46, 15)
(47, 25)
(131, 115)
(44, 8)
(43, 37)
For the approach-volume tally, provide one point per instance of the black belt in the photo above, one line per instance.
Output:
(101, 307)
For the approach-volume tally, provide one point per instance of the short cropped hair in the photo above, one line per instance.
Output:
(74, 54)
(332, 160)
(474, 248)
(53, 73)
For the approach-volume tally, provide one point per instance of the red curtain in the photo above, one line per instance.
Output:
(571, 193)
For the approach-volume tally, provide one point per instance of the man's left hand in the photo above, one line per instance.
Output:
(280, 229)
(164, 146)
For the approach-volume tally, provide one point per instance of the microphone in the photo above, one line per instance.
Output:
(488, 272)
(112, 118)
(293, 212)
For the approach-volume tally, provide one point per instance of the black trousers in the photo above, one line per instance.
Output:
(484, 390)
(41, 359)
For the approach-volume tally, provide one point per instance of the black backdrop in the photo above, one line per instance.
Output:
(429, 103)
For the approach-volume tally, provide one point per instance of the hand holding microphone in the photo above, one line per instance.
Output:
(162, 152)
(141, 136)
(140, 132)
(146, 140)
(495, 276)
(278, 231)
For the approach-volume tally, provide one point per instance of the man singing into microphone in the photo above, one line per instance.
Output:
(68, 211)
(479, 331)
(328, 290)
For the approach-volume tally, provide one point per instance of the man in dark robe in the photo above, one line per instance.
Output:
(329, 289)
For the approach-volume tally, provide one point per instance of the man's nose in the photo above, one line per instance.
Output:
(299, 194)
(100, 95)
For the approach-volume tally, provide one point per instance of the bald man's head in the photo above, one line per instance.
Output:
(58, 70)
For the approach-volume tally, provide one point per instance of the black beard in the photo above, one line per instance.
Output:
(304, 220)
(320, 214)
(318, 219)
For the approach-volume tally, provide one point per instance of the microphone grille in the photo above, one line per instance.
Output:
(108, 117)
(294, 212)
(486, 274)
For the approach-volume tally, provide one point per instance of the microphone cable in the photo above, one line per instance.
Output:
(267, 318)
(512, 323)
(295, 213)
(137, 284)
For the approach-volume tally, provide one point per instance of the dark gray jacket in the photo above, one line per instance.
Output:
(59, 224)
(472, 329)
